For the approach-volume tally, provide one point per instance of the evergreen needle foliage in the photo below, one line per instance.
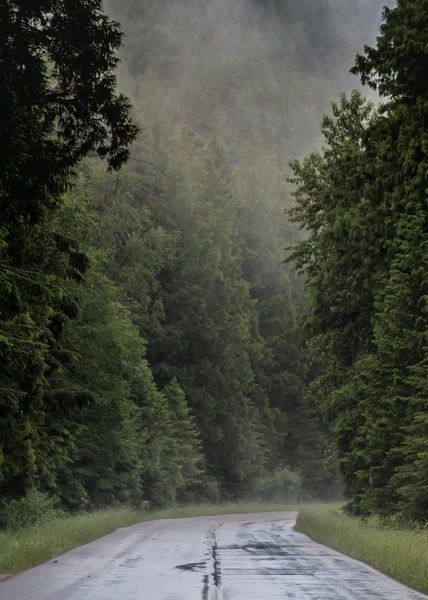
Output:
(363, 203)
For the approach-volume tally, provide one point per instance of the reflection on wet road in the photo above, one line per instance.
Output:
(237, 557)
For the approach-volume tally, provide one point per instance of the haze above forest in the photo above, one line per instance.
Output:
(245, 71)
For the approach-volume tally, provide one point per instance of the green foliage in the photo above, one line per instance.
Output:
(281, 485)
(207, 330)
(33, 509)
(199, 320)
(362, 201)
(58, 96)
(106, 458)
(396, 66)
(148, 343)
(135, 444)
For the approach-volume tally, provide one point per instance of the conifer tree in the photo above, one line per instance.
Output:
(57, 62)
(364, 204)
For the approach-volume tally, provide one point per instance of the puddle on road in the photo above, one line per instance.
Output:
(131, 563)
(193, 567)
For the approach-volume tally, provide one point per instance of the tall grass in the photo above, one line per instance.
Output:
(232, 508)
(23, 549)
(400, 553)
(28, 547)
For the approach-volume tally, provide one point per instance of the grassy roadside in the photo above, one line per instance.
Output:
(400, 553)
(26, 548)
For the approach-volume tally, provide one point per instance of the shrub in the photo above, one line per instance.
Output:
(280, 485)
(33, 509)
(205, 491)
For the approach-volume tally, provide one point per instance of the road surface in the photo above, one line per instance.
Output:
(236, 557)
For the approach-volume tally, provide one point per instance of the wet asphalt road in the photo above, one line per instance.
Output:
(237, 557)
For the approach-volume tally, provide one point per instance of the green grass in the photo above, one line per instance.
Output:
(400, 553)
(205, 510)
(23, 549)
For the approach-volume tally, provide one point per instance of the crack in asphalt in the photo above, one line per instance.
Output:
(214, 578)
(206, 588)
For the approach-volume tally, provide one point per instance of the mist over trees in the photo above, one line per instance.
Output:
(151, 344)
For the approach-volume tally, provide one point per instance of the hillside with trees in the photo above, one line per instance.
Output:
(155, 348)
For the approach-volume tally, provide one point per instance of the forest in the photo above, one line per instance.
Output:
(205, 298)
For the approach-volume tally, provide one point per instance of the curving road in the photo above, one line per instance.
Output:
(236, 557)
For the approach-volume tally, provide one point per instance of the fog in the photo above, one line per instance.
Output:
(258, 75)
(244, 69)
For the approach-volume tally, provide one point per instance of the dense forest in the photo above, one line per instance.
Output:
(155, 348)
(363, 203)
